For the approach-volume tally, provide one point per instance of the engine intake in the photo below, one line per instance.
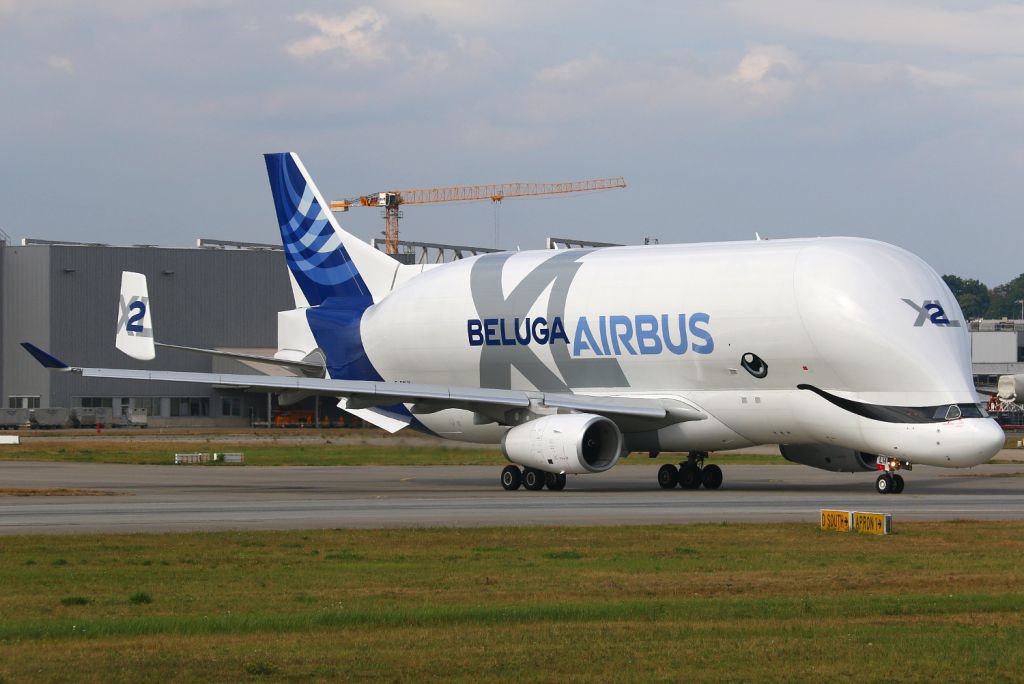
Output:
(834, 458)
(565, 443)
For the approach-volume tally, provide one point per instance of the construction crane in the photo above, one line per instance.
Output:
(391, 201)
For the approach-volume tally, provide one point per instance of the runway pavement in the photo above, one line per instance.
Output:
(183, 498)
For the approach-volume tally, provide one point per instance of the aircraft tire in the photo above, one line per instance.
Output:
(533, 479)
(689, 476)
(884, 484)
(511, 478)
(711, 477)
(668, 476)
(554, 481)
(897, 483)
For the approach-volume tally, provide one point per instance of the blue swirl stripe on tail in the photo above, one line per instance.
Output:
(314, 251)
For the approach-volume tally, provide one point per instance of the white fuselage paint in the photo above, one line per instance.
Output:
(828, 312)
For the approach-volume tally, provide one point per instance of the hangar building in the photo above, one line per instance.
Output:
(997, 348)
(63, 297)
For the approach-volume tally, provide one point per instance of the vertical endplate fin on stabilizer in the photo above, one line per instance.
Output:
(386, 420)
(134, 318)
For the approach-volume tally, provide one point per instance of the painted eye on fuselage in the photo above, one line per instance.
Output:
(754, 364)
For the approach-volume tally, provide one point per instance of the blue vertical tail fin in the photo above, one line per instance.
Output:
(323, 259)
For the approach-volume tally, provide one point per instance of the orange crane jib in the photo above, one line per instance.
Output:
(462, 193)
(391, 200)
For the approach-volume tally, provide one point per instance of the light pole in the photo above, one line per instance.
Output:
(1021, 302)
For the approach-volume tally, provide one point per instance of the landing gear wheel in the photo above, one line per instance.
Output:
(689, 476)
(711, 477)
(668, 476)
(897, 483)
(554, 481)
(533, 479)
(511, 478)
(885, 484)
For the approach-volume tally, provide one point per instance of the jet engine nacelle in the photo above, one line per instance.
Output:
(834, 458)
(1011, 387)
(565, 443)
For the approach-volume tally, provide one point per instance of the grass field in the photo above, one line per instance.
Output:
(92, 450)
(299, 448)
(100, 451)
(933, 602)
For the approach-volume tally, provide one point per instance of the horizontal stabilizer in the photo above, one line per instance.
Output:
(47, 360)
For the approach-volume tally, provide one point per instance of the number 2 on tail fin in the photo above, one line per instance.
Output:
(135, 318)
(135, 322)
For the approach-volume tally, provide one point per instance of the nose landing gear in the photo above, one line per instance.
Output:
(891, 482)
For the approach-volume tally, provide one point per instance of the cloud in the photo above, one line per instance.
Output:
(572, 70)
(60, 64)
(366, 35)
(762, 79)
(762, 83)
(992, 29)
(455, 12)
(494, 14)
(473, 47)
(431, 63)
(358, 34)
(765, 63)
(935, 78)
(854, 76)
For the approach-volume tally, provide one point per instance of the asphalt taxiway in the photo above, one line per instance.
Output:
(185, 498)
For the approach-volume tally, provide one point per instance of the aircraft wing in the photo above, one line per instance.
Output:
(304, 367)
(631, 412)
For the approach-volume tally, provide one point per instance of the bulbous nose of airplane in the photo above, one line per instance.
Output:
(989, 441)
(972, 442)
(960, 443)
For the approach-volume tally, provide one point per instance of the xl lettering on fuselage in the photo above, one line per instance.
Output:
(614, 335)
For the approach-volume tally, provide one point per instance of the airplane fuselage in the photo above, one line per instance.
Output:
(744, 331)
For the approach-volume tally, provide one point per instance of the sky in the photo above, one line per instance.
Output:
(144, 122)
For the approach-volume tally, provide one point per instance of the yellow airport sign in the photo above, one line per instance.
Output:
(860, 521)
(836, 520)
(872, 523)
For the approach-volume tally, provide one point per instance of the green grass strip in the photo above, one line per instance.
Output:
(718, 610)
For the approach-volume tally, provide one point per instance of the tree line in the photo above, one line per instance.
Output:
(978, 300)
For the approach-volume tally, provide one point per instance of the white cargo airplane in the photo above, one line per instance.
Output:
(850, 354)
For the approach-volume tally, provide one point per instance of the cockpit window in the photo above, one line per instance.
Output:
(972, 410)
(902, 414)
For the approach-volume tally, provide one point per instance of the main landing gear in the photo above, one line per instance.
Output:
(691, 474)
(890, 482)
(532, 479)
